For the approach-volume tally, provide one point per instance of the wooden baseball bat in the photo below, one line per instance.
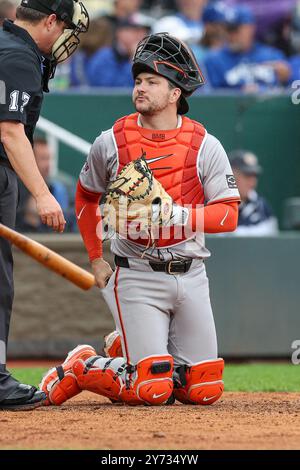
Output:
(57, 263)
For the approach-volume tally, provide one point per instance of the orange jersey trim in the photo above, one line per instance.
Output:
(225, 199)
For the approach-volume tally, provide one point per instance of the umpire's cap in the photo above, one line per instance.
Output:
(73, 13)
(64, 9)
(171, 58)
(245, 161)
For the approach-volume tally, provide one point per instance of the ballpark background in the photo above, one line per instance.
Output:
(253, 279)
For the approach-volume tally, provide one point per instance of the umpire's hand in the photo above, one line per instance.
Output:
(50, 212)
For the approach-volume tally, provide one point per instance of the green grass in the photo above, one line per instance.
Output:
(262, 377)
(256, 377)
(29, 375)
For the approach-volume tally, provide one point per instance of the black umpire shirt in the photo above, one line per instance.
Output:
(21, 80)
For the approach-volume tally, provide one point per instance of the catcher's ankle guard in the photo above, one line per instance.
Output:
(60, 383)
(199, 384)
(153, 383)
(59, 386)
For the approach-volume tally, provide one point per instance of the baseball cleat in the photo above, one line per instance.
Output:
(112, 345)
(23, 398)
(83, 351)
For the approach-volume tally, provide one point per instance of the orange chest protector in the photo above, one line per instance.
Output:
(172, 156)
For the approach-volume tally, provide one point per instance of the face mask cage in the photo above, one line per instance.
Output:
(68, 42)
(167, 55)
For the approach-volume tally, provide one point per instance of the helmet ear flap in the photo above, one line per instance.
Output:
(183, 107)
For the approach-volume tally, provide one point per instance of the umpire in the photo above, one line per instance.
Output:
(45, 32)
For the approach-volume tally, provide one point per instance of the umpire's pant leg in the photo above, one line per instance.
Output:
(8, 204)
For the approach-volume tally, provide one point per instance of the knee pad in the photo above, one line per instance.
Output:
(199, 384)
(150, 381)
(60, 383)
(112, 345)
(153, 382)
(101, 375)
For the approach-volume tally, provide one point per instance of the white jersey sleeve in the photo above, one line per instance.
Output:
(101, 165)
(216, 173)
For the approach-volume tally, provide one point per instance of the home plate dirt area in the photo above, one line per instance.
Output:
(237, 421)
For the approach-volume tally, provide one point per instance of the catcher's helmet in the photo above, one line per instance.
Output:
(171, 58)
(73, 13)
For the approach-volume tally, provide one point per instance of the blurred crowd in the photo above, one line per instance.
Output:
(247, 46)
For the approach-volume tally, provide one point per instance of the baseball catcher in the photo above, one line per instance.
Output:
(163, 181)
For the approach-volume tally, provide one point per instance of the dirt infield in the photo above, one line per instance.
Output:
(238, 421)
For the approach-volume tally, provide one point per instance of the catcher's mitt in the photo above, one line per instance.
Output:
(131, 197)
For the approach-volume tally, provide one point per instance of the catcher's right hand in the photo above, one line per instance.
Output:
(102, 272)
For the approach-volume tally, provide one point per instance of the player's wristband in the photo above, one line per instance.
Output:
(179, 216)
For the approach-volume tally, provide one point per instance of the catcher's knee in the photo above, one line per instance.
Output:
(199, 384)
(60, 383)
(153, 383)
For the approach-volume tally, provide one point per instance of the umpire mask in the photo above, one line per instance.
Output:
(73, 13)
(68, 42)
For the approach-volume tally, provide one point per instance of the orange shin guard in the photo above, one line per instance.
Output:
(200, 384)
(149, 382)
(60, 383)
(99, 377)
(153, 383)
(59, 386)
